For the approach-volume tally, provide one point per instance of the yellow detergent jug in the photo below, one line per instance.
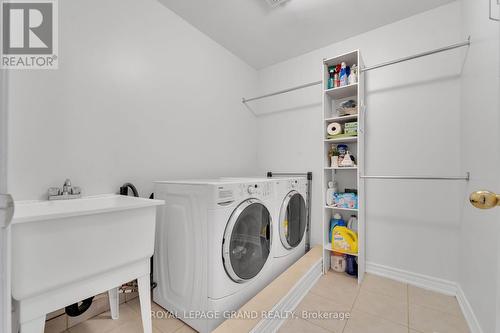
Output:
(344, 240)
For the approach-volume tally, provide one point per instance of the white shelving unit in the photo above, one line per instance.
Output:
(342, 140)
(341, 119)
(346, 177)
(341, 168)
(342, 209)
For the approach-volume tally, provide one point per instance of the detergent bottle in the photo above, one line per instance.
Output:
(351, 265)
(336, 221)
(344, 240)
(353, 223)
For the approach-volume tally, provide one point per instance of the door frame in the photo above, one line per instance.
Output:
(5, 295)
(3, 129)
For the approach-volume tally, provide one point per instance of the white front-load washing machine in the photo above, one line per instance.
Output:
(290, 219)
(213, 247)
(289, 240)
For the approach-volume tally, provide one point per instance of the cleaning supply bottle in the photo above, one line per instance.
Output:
(331, 77)
(344, 240)
(351, 265)
(353, 223)
(337, 76)
(353, 76)
(336, 221)
(343, 74)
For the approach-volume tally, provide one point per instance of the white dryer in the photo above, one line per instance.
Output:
(213, 247)
(289, 241)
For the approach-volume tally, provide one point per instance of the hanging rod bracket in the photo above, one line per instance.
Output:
(491, 17)
(302, 86)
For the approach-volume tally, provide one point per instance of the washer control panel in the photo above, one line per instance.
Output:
(252, 189)
(229, 193)
(258, 190)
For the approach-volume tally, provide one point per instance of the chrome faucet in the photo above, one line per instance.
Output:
(66, 192)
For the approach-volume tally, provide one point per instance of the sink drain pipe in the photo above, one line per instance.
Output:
(74, 310)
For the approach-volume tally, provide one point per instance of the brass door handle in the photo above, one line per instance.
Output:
(484, 199)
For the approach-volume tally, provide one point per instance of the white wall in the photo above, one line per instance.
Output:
(480, 149)
(139, 95)
(413, 127)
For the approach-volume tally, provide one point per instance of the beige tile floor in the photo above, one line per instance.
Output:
(129, 322)
(379, 305)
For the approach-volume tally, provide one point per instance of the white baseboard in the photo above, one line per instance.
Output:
(419, 280)
(431, 283)
(469, 315)
(292, 299)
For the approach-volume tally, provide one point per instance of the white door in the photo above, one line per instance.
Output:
(247, 241)
(479, 275)
(292, 220)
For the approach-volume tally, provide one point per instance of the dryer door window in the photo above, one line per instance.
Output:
(293, 220)
(247, 240)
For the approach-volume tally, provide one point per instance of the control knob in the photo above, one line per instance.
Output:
(252, 189)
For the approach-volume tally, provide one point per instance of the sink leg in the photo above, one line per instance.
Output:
(145, 300)
(114, 303)
(34, 326)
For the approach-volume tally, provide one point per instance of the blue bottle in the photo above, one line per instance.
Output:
(331, 74)
(351, 265)
(336, 220)
(343, 75)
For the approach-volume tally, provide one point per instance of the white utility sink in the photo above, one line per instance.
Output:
(66, 251)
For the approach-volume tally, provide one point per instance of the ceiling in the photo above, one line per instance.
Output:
(262, 35)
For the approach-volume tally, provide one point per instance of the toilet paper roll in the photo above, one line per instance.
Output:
(334, 129)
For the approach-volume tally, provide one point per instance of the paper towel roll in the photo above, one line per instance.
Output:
(334, 129)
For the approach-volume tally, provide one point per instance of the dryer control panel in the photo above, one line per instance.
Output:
(298, 184)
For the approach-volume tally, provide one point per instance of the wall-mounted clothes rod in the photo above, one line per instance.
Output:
(365, 69)
(420, 55)
(244, 100)
(466, 177)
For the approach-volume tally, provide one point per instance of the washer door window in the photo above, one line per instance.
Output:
(292, 220)
(247, 240)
